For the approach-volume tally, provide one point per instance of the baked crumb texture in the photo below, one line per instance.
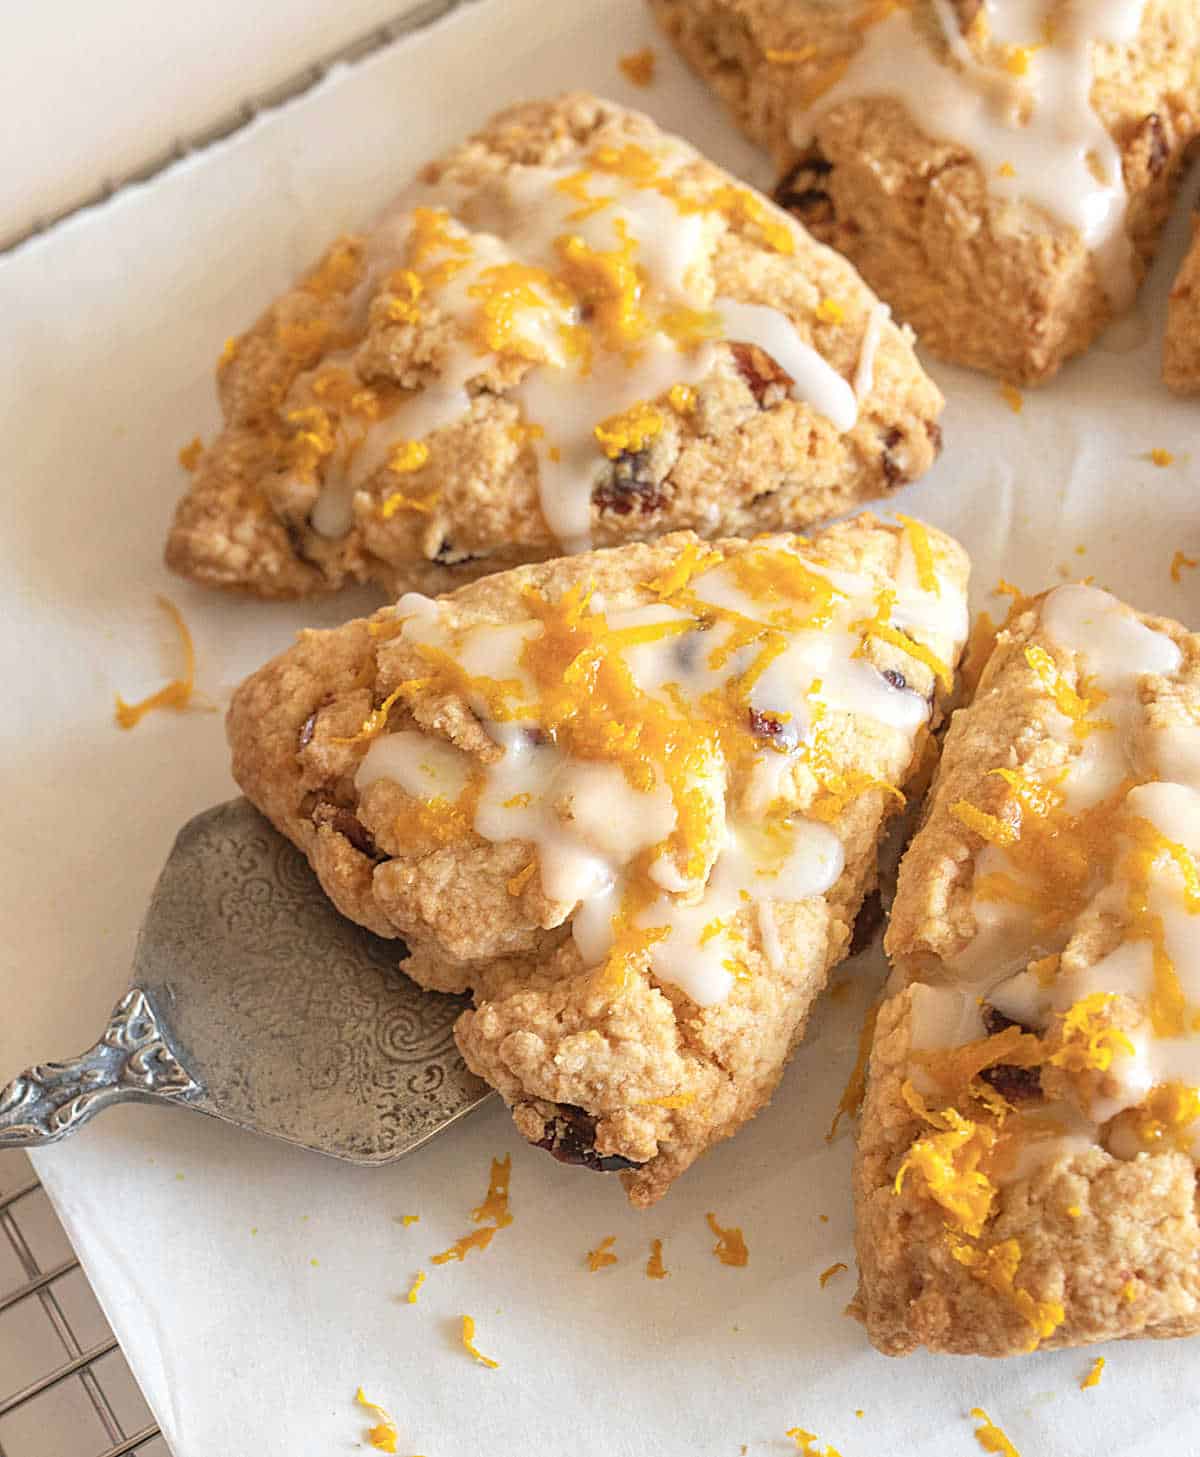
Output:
(956, 155)
(1181, 347)
(630, 799)
(1026, 1168)
(573, 331)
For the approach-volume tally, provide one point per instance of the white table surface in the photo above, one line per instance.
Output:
(253, 1286)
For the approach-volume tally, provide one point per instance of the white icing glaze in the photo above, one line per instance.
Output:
(423, 767)
(864, 370)
(593, 833)
(1037, 136)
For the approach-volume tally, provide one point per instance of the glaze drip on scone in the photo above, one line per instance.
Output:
(584, 272)
(1086, 953)
(645, 751)
(1015, 91)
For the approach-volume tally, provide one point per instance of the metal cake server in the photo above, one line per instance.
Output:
(254, 1001)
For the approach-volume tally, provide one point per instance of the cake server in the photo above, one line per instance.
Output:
(254, 1001)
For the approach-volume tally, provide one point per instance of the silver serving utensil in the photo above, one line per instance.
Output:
(254, 1001)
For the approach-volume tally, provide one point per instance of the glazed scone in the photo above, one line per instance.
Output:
(572, 331)
(1026, 1168)
(1181, 346)
(998, 173)
(629, 799)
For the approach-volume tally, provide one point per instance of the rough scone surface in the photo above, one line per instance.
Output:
(1115, 1242)
(1011, 292)
(1181, 347)
(580, 1063)
(747, 458)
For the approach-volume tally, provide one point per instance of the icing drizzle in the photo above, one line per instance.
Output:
(1020, 100)
(584, 279)
(655, 755)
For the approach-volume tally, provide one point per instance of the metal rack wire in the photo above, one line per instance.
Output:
(89, 1395)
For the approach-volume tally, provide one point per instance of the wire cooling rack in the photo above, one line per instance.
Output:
(65, 1390)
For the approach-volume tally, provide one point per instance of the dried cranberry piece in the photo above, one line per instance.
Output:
(772, 727)
(630, 486)
(893, 471)
(571, 1139)
(347, 824)
(1017, 1084)
(800, 191)
(895, 677)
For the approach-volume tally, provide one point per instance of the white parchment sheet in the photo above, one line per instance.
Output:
(254, 1286)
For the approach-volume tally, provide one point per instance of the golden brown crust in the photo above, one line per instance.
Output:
(579, 1063)
(1115, 1242)
(911, 211)
(1181, 346)
(749, 458)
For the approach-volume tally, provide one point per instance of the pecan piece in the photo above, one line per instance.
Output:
(760, 372)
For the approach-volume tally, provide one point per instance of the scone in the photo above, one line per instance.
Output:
(572, 331)
(1181, 346)
(1026, 1169)
(629, 799)
(998, 173)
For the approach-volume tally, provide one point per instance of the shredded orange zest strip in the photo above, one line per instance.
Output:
(602, 1256)
(829, 311)
(918, 540)
(682, 398)
(949, 1164)
(806, 1443)
(672, 1100)
(990, 1437)
(1086, 1039)
(518, 882)
(478, 1239)
(1167, 1113)
(996, 1267)
(411, 1297)
(468, 1340)
(827, 1275)
(794, 57)
(989, 827)
(655, 1268)
(1160, 457)
(630, 430)
(377, 718)
(495, 1205)
(1067, 701)
(1129, 1291)
(856, 1085)
(189, 456)
(385, 1434)
(730, 1247)
(638, 67)
(1093, 1376)
(1012, 397)
(1178, 562)
(175, 694)
(398, 501)
(407, 1219)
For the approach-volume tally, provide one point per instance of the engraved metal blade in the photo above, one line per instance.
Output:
(256, 1002)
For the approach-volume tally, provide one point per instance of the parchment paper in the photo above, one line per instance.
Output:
(255, 1287)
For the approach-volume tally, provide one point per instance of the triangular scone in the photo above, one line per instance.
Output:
(571, 331)
(999, 173)
(630, 799)
(1181, 347)
(1026, 1166)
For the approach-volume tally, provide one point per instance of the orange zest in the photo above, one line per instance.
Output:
(176, 694)
(730, 1247)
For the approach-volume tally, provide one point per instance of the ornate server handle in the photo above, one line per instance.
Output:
(131, 1061)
